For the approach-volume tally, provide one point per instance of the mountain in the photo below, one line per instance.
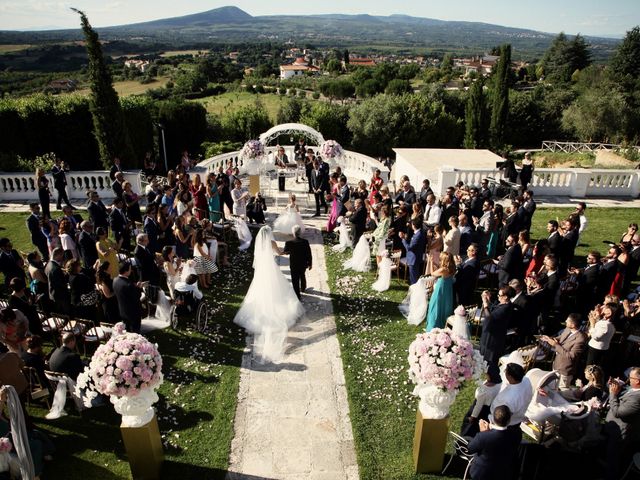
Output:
(394, 33)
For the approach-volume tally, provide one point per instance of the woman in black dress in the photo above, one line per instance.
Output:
(526, 173)
(83, 298)
(22, 300)
(44, 194)
(109, 301)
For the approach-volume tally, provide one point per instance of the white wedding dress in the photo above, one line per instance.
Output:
(415, 304)
(286, 221)
(384, 275)
(244, 235)
(360, 261)
(345, 240)
(270, 306)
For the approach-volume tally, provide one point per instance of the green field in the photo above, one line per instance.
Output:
(129, 87)
(229, 101)
(13, 48)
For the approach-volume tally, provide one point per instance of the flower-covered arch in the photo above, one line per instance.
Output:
(293, 129)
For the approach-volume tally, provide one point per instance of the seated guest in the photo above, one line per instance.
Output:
(569, 348)
(11, 372)
(595, 386)
(399, 225)
(622, 427)
(189, 285)
(21, 300)
(13, 329)
(495, 447)
(515, 393)
(34, 357)
(65, 359)
(84, 296)
(484, 396)
(11, 263)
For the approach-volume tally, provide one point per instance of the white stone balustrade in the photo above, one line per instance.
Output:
(569, 182)
(21, 186)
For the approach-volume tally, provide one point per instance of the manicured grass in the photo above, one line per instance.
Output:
(175, 53)
(226, 102)
(197, 400)
(374, 338)
(130, 87)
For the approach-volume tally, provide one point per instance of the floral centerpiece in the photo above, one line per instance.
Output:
(331, 150)
(439, 364)
(5, 459)
(252, 154)
(128, 368)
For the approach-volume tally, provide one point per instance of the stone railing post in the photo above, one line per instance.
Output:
(635, 184)
(446, 178)
(580, 182)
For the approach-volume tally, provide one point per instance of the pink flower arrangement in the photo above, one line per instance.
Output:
(5, 445)
(253, 149)
(442, 359)
(127, 364)
(331, 149)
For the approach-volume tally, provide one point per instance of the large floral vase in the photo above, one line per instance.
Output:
(435, 403)
(136, 410)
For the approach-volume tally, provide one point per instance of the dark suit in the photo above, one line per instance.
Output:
(415, 254)
(98, 214)
(523, 318)
(632, 268)
(359, 221)
(567, 249)
(495, 452)
(60, 184)
(399, 224)
(299, 260)
(510, 265)
(152, 230)
(65, 360)
(588, 287)
(465, 280)
(475, 208)
(10, 266)
(118, 191)
(555, 244)
(128, 295)
(344, 196)
(530, 208)
(120, 227)
(147, 266)
(319, 183)
(88, 251)
(112, 172)
(37, 237)
(59, 292)
(407, 197)
(494, 332)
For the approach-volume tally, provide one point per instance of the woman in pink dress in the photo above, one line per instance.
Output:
(334, 186)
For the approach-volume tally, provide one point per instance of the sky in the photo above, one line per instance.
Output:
(588, 17)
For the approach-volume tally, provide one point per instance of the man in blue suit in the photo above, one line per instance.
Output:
(415, 249)
(495, 447)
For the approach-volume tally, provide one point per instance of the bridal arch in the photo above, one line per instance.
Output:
(294, 130)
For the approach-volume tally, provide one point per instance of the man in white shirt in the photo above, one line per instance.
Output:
(432, 212)
(516, 393)
(580, 208)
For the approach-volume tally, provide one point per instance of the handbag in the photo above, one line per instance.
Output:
(89, 299)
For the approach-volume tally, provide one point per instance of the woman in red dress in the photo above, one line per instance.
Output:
(375, 185)
(199, 193)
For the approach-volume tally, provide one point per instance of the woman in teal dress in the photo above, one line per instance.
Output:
(441, 302)
(213, 198)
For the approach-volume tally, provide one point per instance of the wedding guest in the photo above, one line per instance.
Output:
(11, 263)
(375, 184)
(58, 283)
(256, 208)
(601, 331)
(516, 393)
(132, 202)
(146, 261)
(67, 239)
(21, 300)
(358, 218)
(213, 198)
(33, 357)
(204, 263)
(128, 295)
(115, 168)
(172, 266)
(87, 245)
(415, 249)
(452, 238)
(84, 297)
(107, 252)
(435, 246)
(199, 194)
(441, 301)
(484, 396)
(109, 301)
(183, 236)
(64, 359)
(59, 173)
(467, 276)
(569, 348)
(240, 197)
(496, 322)
(319, 186)
(44, 194)
(37, 237)
(526, 172)
(97, 211)
(152, 229)
(120, 225)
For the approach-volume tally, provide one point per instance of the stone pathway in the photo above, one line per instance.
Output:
(292, 420)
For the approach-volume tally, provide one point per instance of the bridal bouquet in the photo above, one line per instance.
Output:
(124, 367)
(331, 149)
(443, 359)
(253, 149)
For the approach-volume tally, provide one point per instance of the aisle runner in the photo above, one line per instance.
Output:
(292, 420)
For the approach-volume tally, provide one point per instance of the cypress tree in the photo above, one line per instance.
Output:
(108, 120)
(475, 125)
(500, 103)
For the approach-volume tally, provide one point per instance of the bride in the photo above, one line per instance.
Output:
(270, 306)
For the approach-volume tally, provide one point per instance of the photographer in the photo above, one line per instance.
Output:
(256, 208)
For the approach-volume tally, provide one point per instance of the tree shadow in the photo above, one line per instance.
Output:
(172, 469)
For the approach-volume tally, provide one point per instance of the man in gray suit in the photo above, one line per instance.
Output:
(622, 426)
(58, 283)
(569, 347)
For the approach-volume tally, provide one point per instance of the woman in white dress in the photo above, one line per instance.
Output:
(203, 263)
(240, 198)
(285, 222)
(270, 306)
(172, 266)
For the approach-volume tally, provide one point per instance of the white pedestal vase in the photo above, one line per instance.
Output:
(138, 410)
(435, 403)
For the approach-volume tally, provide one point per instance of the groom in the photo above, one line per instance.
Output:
(299, 260)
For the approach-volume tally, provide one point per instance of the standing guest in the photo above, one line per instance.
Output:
(23, 301)
(441, 301)
(631, 273)
(38, 285)
(172, 266)
(407, 195)
(97, 211)
(466, 233)
(361, 191)
(185, 160)
(524, 240)
(526, 172)
(84, 297)
(308, 167)
(358, 218)
(496, 322)
(183, 201)
(554, 238)
(588, 282)
(300, 150)
(199, 193)
(509, 264)
(128, 295)
(425, 191)
(344, 195)
(115, 168)
(467, 276)
(65, 359)
(225, 189)
(109, 301)
(146, 261)
(495, 448)
(300, 257)
(432, 212)
(601, 331)
(569, 348)
(399, 225)
(485, 192)
(381, 233)
(631, 231)
(132, 202)
(523, 319)
(452, 238)
(37, 237)
(184, 238)
(484, 226)
(152, 229)
(508, 168)
(107, 251)
(164, 221)
(333, 196)
(529, 207)
(622, 427)
(434, 250)
(240, 197)
(580, 212)
(168, 198)
(204, 263)
(50, 230)
(318, 185)
(44, 193)
(213, 198)
(11, 263)
(569, 243)
(117, 186)
(58, 283)
(120, 225)
(67, 239)
(59, 173)
(375, 184)
(415, 249)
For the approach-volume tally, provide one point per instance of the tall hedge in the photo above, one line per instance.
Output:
(185, 126)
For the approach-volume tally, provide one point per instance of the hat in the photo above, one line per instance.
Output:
(460, 311)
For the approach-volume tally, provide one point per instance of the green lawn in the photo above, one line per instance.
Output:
(197, 400)
(226, 102)
(374, 339)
